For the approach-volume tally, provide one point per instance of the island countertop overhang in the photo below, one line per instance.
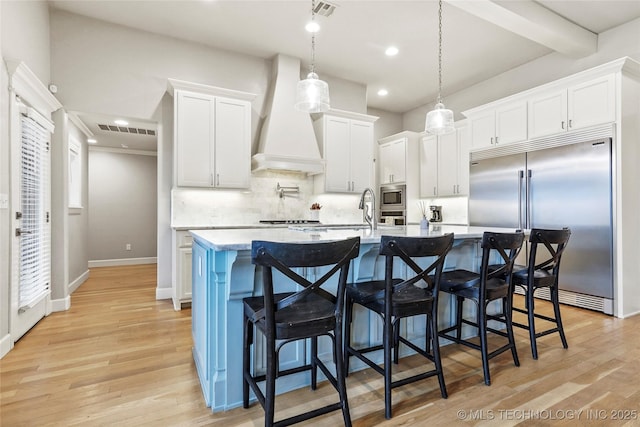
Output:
(240, 239)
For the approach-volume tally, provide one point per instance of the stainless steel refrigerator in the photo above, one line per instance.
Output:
(554, 184)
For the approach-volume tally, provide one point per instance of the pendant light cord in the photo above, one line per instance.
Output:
(440, 52)
(313, 37)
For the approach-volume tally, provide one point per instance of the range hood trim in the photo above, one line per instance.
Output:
(264, 161)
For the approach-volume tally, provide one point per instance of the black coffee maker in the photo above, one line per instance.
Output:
(436, 213)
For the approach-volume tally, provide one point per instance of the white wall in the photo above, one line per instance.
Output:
(123, 205)
(26, 35)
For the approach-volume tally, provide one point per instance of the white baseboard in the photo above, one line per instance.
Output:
(5, 345)
(62, 304)
(164, 293)
(76, 283)
(123, 261)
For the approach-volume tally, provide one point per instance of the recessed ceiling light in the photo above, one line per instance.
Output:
(383, 92)
(391, 51)
(312, 27)
(92, 141)
(120, 122)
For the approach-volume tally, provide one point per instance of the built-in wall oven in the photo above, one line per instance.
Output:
(393, 209)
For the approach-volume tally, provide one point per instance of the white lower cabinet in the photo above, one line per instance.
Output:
(182, 259)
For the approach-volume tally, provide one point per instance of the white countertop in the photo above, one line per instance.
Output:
(240, 239)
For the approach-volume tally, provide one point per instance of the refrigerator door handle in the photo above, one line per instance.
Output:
(520, 182)
(528, 202)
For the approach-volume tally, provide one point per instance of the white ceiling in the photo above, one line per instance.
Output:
(352, 41)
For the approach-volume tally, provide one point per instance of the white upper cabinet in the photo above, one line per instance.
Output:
(392, 164)
(578, 106)
(347, 148)
(453, 162)
(502, 124)
(548, 114)
(429, 166)
(592, 103)
(212, 136)
(444, 163)
(511, 123)
(575, 102)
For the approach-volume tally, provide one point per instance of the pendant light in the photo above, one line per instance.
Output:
(439, 120)
(312, 94)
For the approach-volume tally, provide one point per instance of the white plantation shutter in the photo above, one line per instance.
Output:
(35, 264)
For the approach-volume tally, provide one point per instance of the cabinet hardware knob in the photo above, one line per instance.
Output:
(570, 123)
(563, 124)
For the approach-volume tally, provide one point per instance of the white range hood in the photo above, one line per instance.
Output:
(287, 141)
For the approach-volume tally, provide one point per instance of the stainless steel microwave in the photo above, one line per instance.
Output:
(393, 197)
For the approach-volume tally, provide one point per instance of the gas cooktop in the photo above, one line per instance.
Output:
(289, 221)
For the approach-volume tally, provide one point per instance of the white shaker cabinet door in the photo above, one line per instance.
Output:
(448, 162)
(483, 129)
(194, 139)
(511, 123)
(592, 103)
(429, 166)
(232, 143)
(337, 153)
(548, 114)
(361, 155)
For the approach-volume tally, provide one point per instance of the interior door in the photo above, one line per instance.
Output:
(31, 242)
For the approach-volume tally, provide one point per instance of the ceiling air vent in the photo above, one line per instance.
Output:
(123, 129)
(324, 8)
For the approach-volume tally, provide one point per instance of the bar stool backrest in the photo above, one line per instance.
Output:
(508, 246)
(553, 242)
(407, 248)
(285, 256)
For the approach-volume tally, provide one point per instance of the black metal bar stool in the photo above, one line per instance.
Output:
(543, 269)
(394, 299)
(488, 285)
(307, 313)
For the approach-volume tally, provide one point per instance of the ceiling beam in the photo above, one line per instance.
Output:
(534, 22)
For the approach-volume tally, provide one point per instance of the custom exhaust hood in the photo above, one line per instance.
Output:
(287, 141)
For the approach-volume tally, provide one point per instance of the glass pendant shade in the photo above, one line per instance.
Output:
(439, 120)
(312, 94)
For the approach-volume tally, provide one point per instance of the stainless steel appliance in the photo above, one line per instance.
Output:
(554, 183)
(393, 217)
(393, 197)
(436, 213)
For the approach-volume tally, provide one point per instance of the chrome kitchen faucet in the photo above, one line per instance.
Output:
(369, 209)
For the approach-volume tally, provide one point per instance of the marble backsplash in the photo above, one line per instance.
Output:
(207, 207)
(204, 207)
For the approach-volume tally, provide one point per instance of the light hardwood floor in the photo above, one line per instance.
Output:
(118, 357)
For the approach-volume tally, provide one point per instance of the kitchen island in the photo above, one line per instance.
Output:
(223, 275)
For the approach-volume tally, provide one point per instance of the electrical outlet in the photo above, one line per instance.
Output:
(127, 246)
